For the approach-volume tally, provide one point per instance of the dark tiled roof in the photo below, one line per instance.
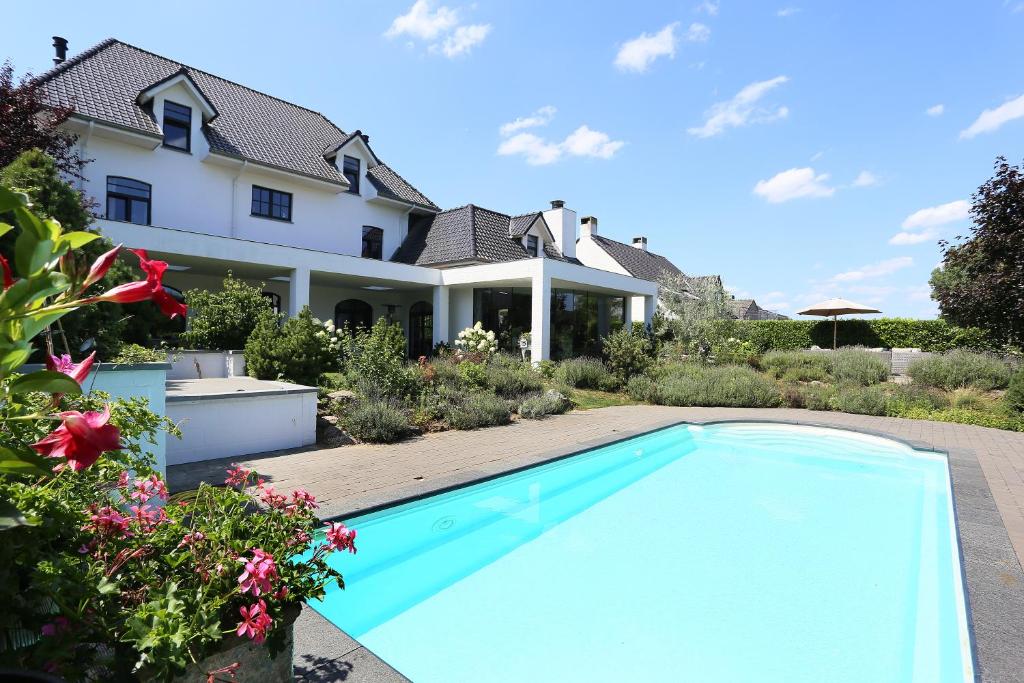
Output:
(519, 225)
(393, 186)
(645, 265)
(466, 234)
(104, 83)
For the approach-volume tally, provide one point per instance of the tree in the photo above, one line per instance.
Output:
(224, 320)
(691, 303)
(27, 122)
(981, 280)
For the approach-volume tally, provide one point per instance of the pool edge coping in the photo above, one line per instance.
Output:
(985, 648)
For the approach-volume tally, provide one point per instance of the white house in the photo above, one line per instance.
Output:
(213, 176)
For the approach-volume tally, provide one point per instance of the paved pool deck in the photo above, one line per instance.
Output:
(987, 468)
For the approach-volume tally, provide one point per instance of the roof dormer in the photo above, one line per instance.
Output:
(184, 80)
(532, 231)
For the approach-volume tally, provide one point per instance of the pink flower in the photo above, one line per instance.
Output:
(151, 288)
(81, 438)
(303, 499)
(77, 372)
(258, 573)
(147, 488)
(237, 475)
(340, 537)
(108, 522)
(148, 517)
(123, 479)
(255, 622)
(272, 498)
(60, 624)
(192, 538)
(100, 267)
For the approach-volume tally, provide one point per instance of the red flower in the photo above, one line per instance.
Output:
(237, 475)
(258, 573)
(151, 288)
(107, 521)
(100, 266)
(81, 438)
(272, 498)
(255, 622)
(340, 537)
(77, 372)
(8, 275)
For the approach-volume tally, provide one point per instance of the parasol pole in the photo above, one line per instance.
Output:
(835, 330)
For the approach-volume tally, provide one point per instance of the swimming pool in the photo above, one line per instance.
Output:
(729, 552)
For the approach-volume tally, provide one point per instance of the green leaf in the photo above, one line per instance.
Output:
(9, 199)
(10, 515)
(30, 222)
(34, 324)
(49, 381)
(106, 586)
(75, 240)
(32, 255)
(14, 357)
(24, 462)
(5, 228)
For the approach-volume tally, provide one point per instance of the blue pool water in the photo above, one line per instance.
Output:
(732, 552)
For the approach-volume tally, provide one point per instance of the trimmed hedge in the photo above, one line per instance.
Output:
(927, 335)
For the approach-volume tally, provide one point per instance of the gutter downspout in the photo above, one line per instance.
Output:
(234, 197)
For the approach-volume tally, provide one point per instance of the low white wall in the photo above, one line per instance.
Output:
(194, 364)
(214, 427)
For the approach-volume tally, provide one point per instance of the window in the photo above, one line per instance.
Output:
(275, 300)
(271, 203)
(128, 200)
(373, 242)
(421, 329)
(351, 173)
(354, 313)
(532, 247)
(177, 126)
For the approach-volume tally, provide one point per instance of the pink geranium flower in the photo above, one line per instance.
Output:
(108, 522)
(148, 488)
(303, 498)
(59, 625)
(81, 438)
(258, 573)
(340, 537)
(255, 622)
(237, 475)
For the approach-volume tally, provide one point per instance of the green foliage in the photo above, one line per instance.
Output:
(1015, 392)
(538, 406)
(376, 420)
(377, 354)
(472, 375)
(960, 369)
(862, 400)
(904, 400)
(511, 378)
(223, 321)
(968, 399)
(133, 354)
(796, 366)
(629, 352)
(582, 373)
(857, 367)
(696, 306)
(927, 335)
(692, 384)
(299, 351)
(640, 388)
(475, 410)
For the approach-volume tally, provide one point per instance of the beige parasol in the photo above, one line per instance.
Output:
(836, 308)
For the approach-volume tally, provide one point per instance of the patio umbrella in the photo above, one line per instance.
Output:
(836, 308)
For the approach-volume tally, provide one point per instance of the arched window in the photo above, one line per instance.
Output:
(421, 329)
(275, 300)
(355, 312)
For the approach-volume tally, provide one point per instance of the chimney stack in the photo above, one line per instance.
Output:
(562, 222)
(588, 226)
(60, 47)
(640, 243)
(557, 203)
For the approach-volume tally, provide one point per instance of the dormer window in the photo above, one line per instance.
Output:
(177, 126)
(532, 245)
(351, 173)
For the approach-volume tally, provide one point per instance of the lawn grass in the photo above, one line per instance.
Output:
(585, 399)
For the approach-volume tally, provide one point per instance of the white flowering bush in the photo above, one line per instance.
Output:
(477, 340)
(329, 336)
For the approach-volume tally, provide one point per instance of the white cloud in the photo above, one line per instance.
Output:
(582, 142)
(698, 33)
(865, 179)
(991, 120)
(708, 7)
(464, 39)
(905, 238)
(787, 11)
(774, 295)
(741, 110)
(936, 110)
(937, 215)
(638, 54)
(423, 23)
(793, 184)
(541, 117)
(874, 270)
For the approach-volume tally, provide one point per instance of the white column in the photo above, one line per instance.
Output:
(440, 313)
(629, 311)
(650, 305)
(298, 291)
(540, 324)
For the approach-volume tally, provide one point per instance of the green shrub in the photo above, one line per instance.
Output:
(474, 410)
(907, 400)
(133, 354)
(223, 320)
(796, 366)
(641, 388)
(927, 335)
(472, 375)
(541, 405)
(1015, 392)
(690, 384)
(295, 352)
(377, 354)
(818, 397)
(376, 420)
(857, 367)
(862, 400)
(629, 352)
(968, 399)
(511, 378)
(546, 368)
(581, 373)
(960, 369)
(980, 418)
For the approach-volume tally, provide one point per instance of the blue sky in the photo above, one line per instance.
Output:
(801, 149)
